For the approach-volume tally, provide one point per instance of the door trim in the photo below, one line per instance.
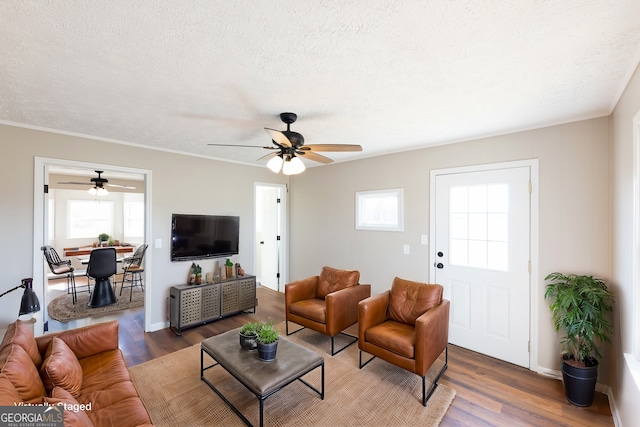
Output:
(41, 177)
(284, 236)
(534, 294)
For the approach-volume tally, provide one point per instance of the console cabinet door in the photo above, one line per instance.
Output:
(230, 298)
(247, 297)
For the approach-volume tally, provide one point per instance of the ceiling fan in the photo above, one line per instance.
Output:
(98, 185)
(289, 147)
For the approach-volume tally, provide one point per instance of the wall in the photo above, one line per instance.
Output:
(626, 392)
(181, 184)
(573, 212)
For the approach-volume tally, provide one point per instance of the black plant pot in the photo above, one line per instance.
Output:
(248, 342)
(267, 352)
(579, 383)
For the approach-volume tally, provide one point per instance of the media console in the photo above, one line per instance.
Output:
(194, 305)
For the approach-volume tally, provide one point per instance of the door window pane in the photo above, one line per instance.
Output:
(479, 227)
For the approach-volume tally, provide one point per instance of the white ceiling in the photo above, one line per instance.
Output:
(388, 75)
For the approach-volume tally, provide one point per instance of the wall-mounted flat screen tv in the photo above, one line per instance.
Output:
(203, 236)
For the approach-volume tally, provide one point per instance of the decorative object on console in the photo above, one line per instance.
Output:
(228, 269)
(239, 270)
(29, 303)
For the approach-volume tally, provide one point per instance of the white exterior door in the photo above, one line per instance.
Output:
(482, 258)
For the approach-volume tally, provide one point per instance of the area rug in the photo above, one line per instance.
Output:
(380, 394)
(62, 308)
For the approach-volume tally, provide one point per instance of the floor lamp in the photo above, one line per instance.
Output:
(29, 303)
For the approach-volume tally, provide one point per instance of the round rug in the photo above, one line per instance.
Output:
(62, 308)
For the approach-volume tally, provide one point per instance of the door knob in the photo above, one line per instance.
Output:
(439, 265)
(440, 254)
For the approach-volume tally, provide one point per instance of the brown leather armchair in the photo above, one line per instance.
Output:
(407, 326)
(327, 303)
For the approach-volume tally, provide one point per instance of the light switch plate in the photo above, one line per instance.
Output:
(424, 239)
(158, 243)
(405, 249)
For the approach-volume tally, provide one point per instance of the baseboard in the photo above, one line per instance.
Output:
(157, 326)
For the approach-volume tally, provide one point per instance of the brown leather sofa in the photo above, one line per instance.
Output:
(327, 303)
(407, 326)
(81, 368)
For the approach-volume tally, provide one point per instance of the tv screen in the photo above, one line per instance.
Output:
(203, 236)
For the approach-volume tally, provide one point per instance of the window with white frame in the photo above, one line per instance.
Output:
(87, 218)
(133, 217)
(379, 210)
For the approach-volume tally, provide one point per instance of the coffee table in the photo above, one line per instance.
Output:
(263, 379)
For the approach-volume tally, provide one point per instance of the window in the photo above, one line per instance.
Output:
(133, 217)
(479, 227)
(379, 210)
(88, 218)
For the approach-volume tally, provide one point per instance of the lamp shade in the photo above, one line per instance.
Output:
(293, 166)
(29, 303)
(275, 164)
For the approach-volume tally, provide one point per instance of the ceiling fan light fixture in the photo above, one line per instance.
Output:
(93, 191)
(102, 191)
(275, 164)
(293, 166)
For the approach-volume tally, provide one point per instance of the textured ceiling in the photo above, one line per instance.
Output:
(388, 75)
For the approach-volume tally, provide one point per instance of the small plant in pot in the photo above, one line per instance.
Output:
(249, 335)
(580, 307)
(267, 342)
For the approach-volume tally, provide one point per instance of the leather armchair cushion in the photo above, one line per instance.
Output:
(20, 333)
(332, 279)
(9, 396)
(61, 368)
(408, 301)
(396, 337)
(312, 309)
(23, 374)
(72, 418)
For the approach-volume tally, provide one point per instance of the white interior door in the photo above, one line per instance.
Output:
(482, 258)
(268, 201)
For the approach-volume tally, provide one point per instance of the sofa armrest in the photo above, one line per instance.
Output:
(300, 290)
(432, 336)
(342, 307)
(372, 311)
(86, 341)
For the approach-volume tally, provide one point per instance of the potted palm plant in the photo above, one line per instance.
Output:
(580, 307)
(267, 342)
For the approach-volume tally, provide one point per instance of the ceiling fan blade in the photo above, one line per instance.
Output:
(77, 183)
(331, 147)
(240, 145)
(278, 137)
(315, 157)
(128, 187)
(267, 156)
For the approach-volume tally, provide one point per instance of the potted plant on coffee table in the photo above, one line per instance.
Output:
(267, 342)
(580, 307)
(248, 335)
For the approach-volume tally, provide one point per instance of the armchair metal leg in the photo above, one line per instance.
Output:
(333, 353)
(426, 396)
(366, 363)
(286, 322)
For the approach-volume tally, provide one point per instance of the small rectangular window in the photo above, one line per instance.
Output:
(379, 210)
(88, 218)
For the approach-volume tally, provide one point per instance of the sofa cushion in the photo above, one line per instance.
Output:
(21, 333)
(74, 416)
(61, 368)
(332, 280)
(313, 309)
(9, 396)
(19, 368)
(409, 300)
(396, 337)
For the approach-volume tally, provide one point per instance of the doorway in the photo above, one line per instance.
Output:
(43, 168)
(270, 235)
(481, 229)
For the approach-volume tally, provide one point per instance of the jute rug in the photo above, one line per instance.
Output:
(380, 394)
(62, 308)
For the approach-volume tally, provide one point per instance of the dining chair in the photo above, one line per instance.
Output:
(132, 270)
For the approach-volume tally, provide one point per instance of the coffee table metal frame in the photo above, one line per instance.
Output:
(261, 397)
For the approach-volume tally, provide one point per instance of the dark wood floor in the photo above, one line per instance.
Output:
(489, 392)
